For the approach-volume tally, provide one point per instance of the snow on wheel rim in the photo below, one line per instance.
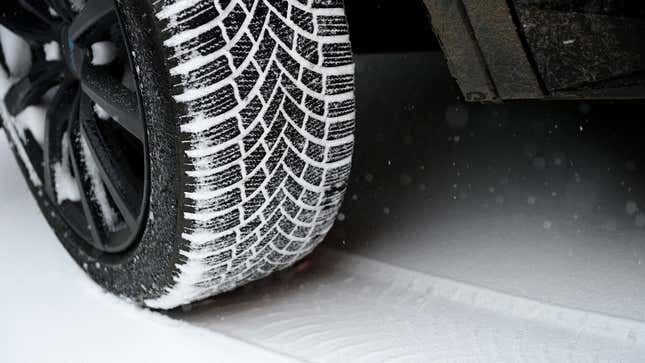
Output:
(72, 151)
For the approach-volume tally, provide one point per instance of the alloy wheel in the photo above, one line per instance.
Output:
(92, 156)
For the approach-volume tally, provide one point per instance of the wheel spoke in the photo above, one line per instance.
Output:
(24, 23)
(59, 113)
(113, 97)
(92, 14)
(92, 153)
(30, 89)
(121, 186)
(39, 9)
(84, 184)
(62, 8)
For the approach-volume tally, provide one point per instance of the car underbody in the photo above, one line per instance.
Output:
(518, 49)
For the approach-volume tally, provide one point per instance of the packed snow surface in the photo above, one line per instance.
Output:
(16, 51)
(470, 233)
(51, 312)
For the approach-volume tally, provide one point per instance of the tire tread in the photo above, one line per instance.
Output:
(267, 92)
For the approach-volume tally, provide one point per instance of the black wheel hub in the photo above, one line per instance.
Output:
(94, 154)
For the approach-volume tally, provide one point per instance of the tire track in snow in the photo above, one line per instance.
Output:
(578, 320)
(342, 307)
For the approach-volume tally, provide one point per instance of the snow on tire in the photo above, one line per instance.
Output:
(265, 95)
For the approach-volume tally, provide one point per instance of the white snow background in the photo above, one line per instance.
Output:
(470, 234)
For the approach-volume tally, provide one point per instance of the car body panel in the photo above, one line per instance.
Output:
(542, 49)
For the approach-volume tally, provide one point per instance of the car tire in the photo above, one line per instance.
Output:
(249, 118)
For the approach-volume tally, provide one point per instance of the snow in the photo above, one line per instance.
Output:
(340, 307)
(32, 119)
(51, 312)
(65, 184)
(52, 51)
(16, 51)
(434, 279)
(77, 5)
(631, 208)
(101, 113)
(103, 53)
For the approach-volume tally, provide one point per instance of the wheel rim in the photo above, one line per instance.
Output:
(94, 151)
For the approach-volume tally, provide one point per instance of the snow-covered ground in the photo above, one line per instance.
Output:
(470, 233)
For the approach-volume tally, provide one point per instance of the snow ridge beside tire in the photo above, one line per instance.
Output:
(267, 93)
